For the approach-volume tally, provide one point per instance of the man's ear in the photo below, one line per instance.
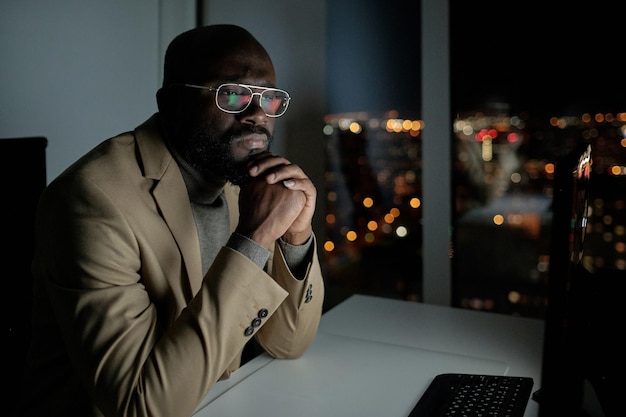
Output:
(162, 100)
(169, 101)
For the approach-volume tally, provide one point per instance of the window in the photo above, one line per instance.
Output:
(526, 86)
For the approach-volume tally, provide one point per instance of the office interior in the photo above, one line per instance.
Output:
(431, 128)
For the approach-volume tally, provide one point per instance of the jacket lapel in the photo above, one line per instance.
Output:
(231, 192)
(171, 197)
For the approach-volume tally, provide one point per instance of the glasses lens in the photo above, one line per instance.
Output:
(233, 97)
(274, 102)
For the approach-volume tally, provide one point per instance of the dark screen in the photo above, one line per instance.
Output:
(579, 311)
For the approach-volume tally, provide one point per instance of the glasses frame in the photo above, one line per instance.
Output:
(250, 87)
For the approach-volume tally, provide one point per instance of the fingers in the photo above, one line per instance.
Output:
(265, 163)
(275, 169)
(269, 211)
(301, 184)
(279, 213)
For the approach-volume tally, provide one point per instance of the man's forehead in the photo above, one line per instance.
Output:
(243, 67)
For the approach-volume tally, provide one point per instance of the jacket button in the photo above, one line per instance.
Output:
(263, 313)
(256, 322)
(248, 331)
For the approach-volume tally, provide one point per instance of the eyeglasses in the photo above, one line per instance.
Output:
(235, 98)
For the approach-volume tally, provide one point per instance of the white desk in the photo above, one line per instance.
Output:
(375, 357)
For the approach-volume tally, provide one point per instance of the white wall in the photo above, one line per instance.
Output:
(80, 71)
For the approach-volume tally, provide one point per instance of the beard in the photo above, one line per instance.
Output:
(211, 154)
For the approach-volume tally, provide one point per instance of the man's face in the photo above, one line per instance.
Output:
(221, 148)
(220, 144)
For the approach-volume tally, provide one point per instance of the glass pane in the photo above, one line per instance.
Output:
(373, 193)
(372, 134)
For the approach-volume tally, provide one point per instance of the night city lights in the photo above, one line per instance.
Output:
(503, 171)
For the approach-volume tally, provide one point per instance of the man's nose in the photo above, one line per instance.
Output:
(254, 113)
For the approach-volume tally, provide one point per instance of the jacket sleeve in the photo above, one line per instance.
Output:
(289, 331)
(293, 326)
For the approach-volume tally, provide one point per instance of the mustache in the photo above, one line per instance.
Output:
(241, 133)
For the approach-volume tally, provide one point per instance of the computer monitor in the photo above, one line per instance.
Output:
(574, 379)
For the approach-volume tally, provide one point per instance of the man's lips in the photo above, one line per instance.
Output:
(254, 141)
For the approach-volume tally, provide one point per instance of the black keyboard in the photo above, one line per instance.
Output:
(471, 395)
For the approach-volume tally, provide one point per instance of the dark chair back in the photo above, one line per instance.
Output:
(22, 178)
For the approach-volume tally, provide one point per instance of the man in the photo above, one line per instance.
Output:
(162, 252)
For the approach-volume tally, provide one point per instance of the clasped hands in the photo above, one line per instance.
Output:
(279, 201)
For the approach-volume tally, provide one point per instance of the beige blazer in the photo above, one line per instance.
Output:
(124, 321)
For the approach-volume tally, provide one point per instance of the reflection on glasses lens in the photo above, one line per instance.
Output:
(233, 97)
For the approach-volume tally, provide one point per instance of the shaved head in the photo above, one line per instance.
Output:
(193, 56)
